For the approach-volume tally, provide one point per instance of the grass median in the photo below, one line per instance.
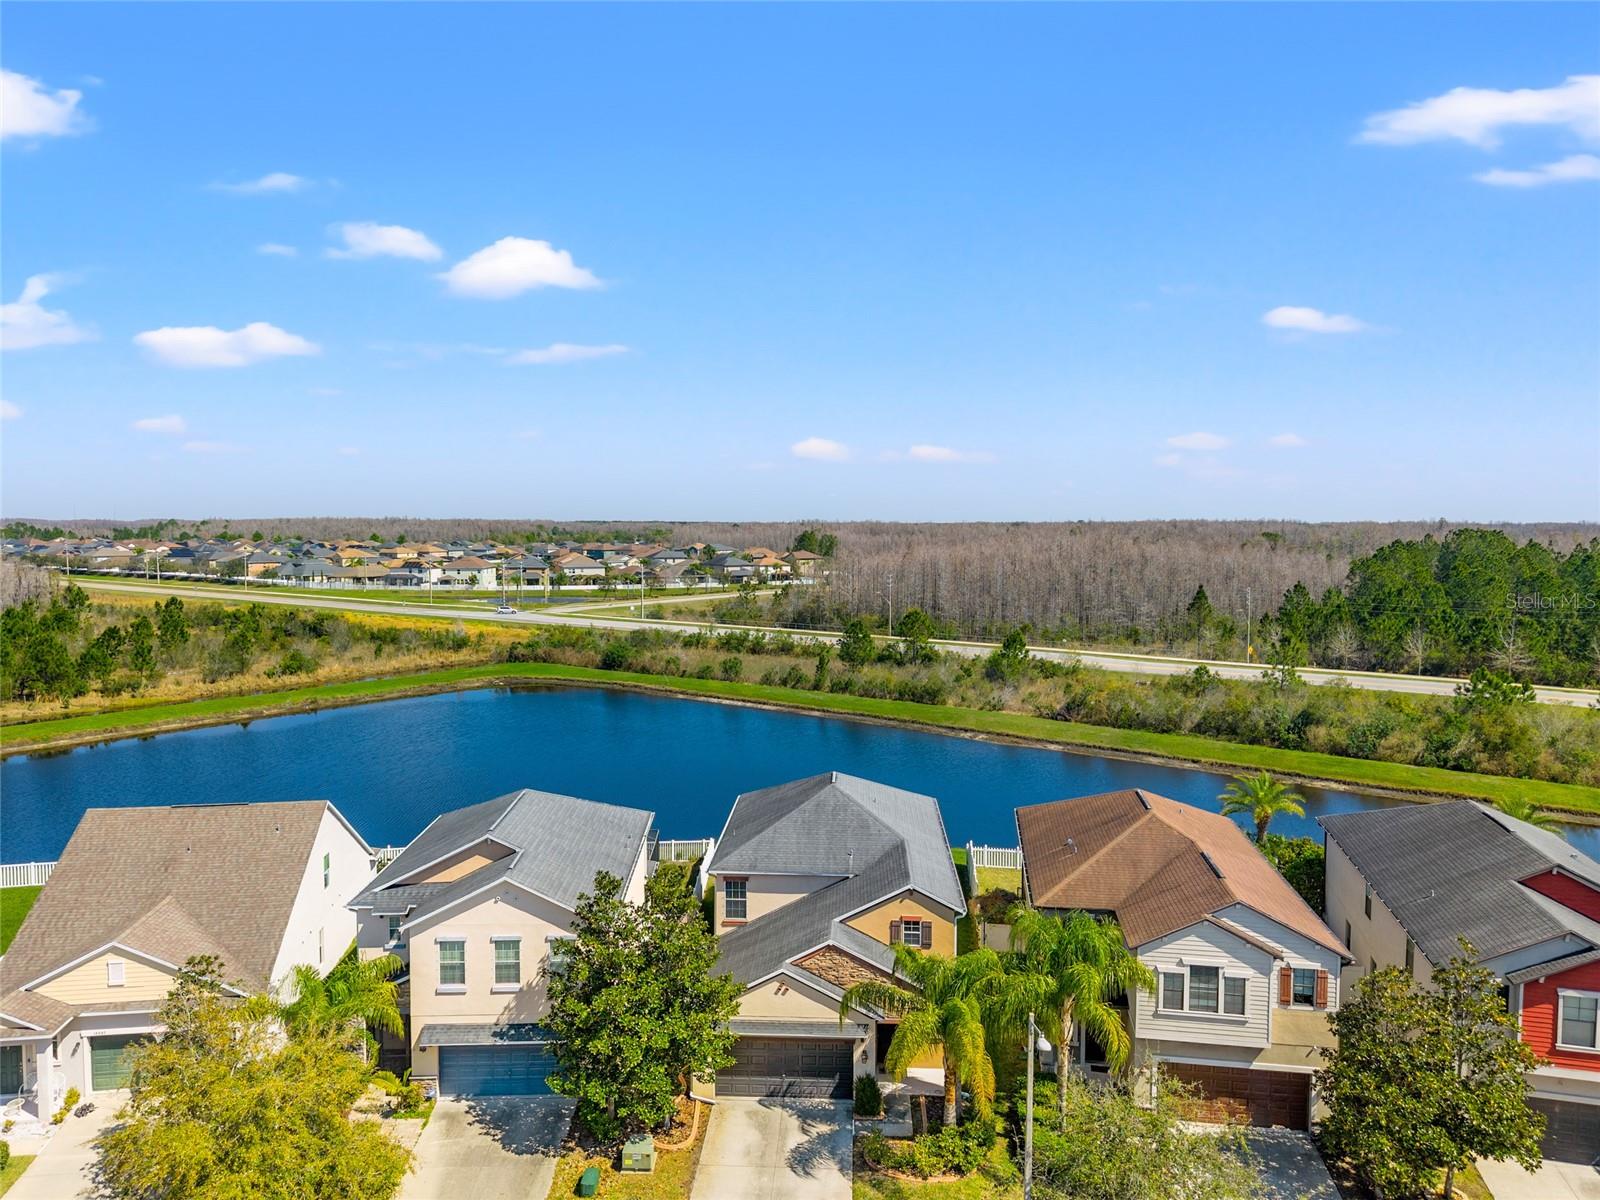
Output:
(1187, 748)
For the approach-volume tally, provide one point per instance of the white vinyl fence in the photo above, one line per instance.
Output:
(25, 874)
(1003, 857)
(671, 850)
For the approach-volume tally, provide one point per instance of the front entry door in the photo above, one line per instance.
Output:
(10, 1070)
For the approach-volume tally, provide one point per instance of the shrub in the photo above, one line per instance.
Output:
(618, 656)
(408, 1098)
(950, 1150)
(296, 662)
(387, 1081)
(5, 1153)
(869, 1097)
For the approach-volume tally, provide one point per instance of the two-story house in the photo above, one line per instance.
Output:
(140, 890)
(1246, 972)
(1407, 883)
(814, 881)
(476, 905)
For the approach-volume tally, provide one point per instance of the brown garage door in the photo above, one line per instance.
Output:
(1240, 1094)
(1571, 1130)
(798, 1067)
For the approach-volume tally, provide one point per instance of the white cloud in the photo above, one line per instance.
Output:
(368, 239)
(172, 423)
(27, 109)
(1478, 115)
(820, 449)
(945, 454)
(208, 346)
(562, 352)
(9, 411)
(210, 448)
(1310, 320)
(26, 324)
(514, 265)
(1572, 169)
(277, 249)
(1168, 460)
(1198, 441)
(1287, 440)
(278, 182)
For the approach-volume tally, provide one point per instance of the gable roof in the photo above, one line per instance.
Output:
(1158, 864)
(1451, 870)
(170, 882)
(558, 843)
(879, 841)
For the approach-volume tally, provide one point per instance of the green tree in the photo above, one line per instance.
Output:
(915, 628)
(1087, 966)
(1262, 797)
(1425, 1080)
(1490, 691)
(357, 995)
(636, 1008)
(171, 626)
(1300, 860)
(1010, 661)
(1198, 615)
(946, 1004)
(857, 647)
(1526, 810)
(142, 645)
(224, 1108)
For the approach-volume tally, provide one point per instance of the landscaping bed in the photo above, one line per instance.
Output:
(677, 1156)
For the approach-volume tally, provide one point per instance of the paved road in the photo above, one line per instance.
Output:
(1126, 663)
(776, 1150)
(502, 1148)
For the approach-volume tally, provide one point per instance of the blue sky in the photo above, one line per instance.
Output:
(1001, 262)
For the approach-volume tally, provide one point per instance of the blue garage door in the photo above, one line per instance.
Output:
(495, 1070)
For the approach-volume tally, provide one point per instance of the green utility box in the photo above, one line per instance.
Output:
(639, 1153)
(589, 1181)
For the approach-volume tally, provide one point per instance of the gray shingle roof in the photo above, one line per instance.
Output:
(558, 843)
(879, 839)
(1452, 870)
(482, 1035)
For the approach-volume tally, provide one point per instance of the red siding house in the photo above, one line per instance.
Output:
(1408, 883)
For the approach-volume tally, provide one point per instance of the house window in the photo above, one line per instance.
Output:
(394, 930)
(1347, 938)
(320, 934)
(507, 962)
(1580, 1020)
(560, 950)
(1411, 955)
(1303, 988)
(1367, 904)
(452, 963)
(734, 900)
(1203, 985)
(915, 933)
(116, 972)
(1233, 996)
(327, 868)
(1172, 991)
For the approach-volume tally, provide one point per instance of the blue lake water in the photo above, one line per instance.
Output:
(391, 767)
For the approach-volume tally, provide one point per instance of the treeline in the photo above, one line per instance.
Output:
(64, 647)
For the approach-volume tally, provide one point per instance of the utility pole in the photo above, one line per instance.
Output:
(1249, 628)
(1027, 1128)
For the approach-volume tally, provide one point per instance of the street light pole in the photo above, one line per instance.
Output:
(1027, 1128)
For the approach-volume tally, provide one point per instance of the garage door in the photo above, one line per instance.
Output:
(1571, 1130)
(800, 1067)
(1240, 1094)
(110, 1061)
(495, 1070)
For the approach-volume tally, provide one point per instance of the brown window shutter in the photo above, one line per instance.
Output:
(894, 933)
(1322, 989)
(1285, 983)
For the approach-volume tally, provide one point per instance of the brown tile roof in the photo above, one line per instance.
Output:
(1150, 860)
(170, 882)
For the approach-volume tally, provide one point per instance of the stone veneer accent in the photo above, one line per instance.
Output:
(839, 968)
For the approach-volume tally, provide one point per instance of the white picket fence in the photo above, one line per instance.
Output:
(1003, 857)
(25, 874)
(673, 850)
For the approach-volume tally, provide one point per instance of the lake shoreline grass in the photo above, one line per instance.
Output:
(1397, 780)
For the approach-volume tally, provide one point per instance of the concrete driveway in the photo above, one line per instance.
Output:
(776, 1150)
(62, 1170)
(1552, 1181)
(1291, 1168)
(494, 1148)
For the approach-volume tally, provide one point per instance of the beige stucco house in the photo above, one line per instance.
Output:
(475, 906)
(138, 891)
(814, 882)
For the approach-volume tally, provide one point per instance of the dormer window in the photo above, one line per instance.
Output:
(116, 972)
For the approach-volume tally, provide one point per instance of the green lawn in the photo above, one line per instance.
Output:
(1227, 756)
(14, 905)
(13, 1171)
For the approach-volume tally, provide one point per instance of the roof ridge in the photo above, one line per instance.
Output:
(1136, 823)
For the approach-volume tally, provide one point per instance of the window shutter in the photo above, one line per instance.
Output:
(1322, 989)
(1285, 983)
(894, 933)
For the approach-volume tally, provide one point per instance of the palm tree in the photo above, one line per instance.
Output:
(1087, 965)
(1524, 809)
(357, 994)
(1263, 797)
(945, 1004)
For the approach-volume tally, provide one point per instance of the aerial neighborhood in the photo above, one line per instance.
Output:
(457, 564)
(838, 923)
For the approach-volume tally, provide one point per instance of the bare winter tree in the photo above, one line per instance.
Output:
(20, 583)
(1416, 647)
